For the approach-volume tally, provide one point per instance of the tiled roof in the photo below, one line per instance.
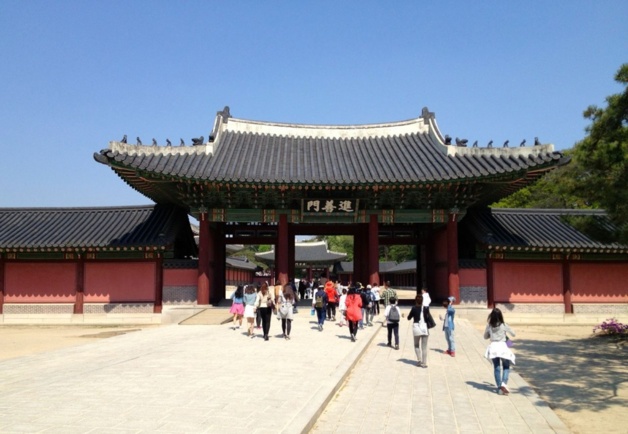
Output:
(398, 153)
(241, 263)
(102, 227)
(307, 253)
(384, 267)
(404, 267)
(530, 229)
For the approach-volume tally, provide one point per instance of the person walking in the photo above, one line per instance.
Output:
(237, 306)
(354, 311)
(393, 316)
(285, 312)
(342, 307)
(370, 307)
(319, 303)
(376, 298)
(497, 331)
(387, 293)
(330, 310)
(420, 315)
(448, 325)
(264, 305)
(427, 300)
(249, 307)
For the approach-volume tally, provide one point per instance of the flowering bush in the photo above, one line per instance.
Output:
(611, 327)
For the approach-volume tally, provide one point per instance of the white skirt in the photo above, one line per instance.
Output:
(249, 311)
(499, 349)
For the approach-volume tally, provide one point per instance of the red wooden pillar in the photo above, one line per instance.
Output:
(452, 257)
(1, 286)
(159, 284)
(490, 293)
(282, 250)
(80, 286)
(217, 261)
(373, 250)
(567, 286)
(202, 290)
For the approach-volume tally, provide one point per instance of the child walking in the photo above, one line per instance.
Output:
(448, 325)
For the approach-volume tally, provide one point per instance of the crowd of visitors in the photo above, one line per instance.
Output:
(356, 306)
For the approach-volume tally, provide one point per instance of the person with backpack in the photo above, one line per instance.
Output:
(319, 303)
(393, 316)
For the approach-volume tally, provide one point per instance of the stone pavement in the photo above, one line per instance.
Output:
(210, 378)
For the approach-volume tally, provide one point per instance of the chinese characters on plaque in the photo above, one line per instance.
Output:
(330, 206)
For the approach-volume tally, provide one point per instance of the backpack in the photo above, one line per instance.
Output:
(319, 301)
(393, 315)
(369, 299)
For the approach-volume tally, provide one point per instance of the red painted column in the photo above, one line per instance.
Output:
(282, 250)
(80, 286)
(567, 286)
(1, 286)
(159, 284)
(202, 290)
(452, 257)
(373, 250)
(490, 293)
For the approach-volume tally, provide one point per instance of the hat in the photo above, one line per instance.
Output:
(329, 284)
(452, 299)
(368, 286)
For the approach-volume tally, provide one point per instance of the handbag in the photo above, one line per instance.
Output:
(509, 342)
(419, 329)
(428, 319)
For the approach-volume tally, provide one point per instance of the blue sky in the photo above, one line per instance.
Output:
(76, 74)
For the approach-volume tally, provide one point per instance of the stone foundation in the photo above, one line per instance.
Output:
(179, 295)
(38, 309)
(600, 308)
(473, 296)
(549, 308)
(117, 308)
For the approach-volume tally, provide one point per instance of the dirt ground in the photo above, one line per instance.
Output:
(584, 379)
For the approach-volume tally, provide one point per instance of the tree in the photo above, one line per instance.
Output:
(560, 188)
(603, 154)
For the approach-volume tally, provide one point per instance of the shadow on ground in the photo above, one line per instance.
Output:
(576, 374)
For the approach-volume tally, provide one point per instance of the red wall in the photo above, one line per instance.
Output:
(527, 282)
(111, 282)
(472, 276)
(180, 277)
(40, 282)
(599, 283)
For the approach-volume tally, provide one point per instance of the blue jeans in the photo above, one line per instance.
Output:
(449, 336)
(499, 377)
(320, 313)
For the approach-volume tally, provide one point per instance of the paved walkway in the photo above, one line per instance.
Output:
(209, 378)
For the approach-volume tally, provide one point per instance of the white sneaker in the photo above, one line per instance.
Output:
(504, 389)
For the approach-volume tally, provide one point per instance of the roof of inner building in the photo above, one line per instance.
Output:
(397, 153)
(310, 252)
(101, 227)
(540, 229)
